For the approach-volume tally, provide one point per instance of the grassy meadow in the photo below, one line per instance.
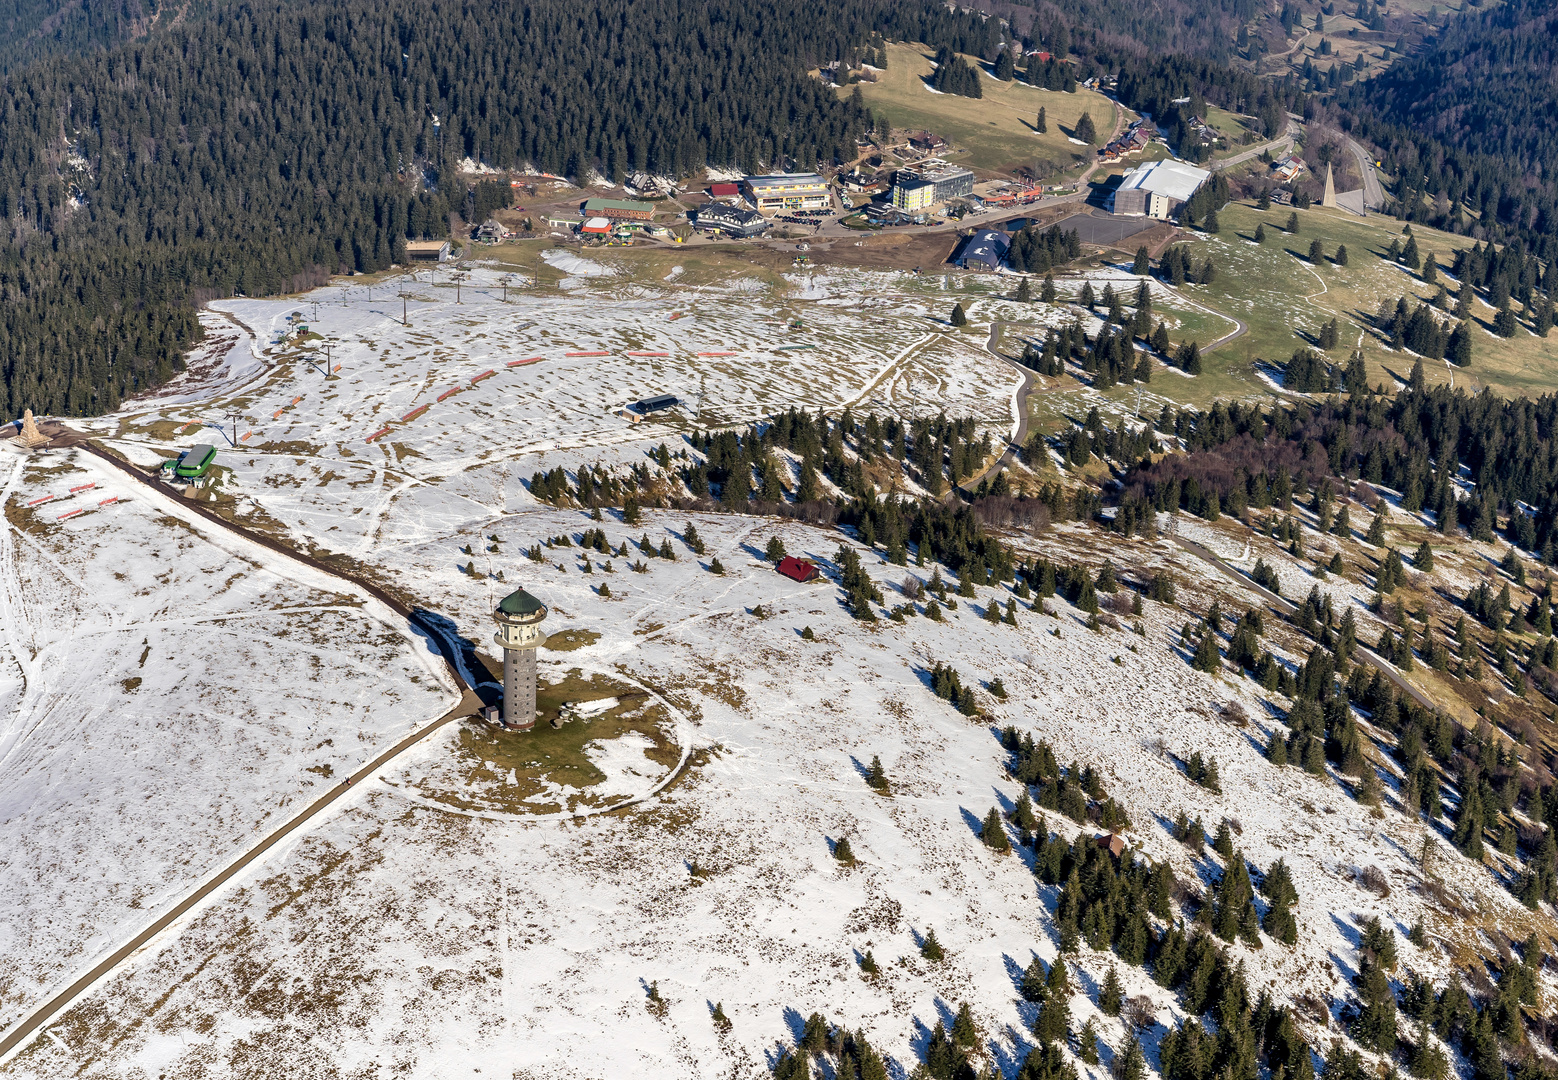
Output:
(996, 131)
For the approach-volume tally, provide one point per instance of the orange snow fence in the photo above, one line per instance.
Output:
(678, 315)
(83, 487)
(647, 354)
(37, 502)
(336, 368)
(587, 354)
(450, 392)
(414, 413)
(376, 434)
(277, 414)
(110, 499)
(522, 363)
(245, 437)
(484, 375)
(297, 399)
(69, 514)
(716, 354)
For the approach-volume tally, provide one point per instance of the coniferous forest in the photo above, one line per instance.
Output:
(262, 147)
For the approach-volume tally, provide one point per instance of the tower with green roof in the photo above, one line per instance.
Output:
(519, 635)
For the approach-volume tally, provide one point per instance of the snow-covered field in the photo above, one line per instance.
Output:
(303, 455)
(401, 936)
(171, 693)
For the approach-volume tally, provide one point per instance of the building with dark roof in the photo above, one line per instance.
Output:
(984, 250)
(655, 404)
(732, 220)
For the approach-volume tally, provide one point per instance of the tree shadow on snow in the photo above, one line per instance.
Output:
(1011, 1051)
(972, 820)
(795, 1022)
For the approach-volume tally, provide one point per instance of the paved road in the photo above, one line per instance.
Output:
(1373, 191)
(1020, 438)
(1287, 607)
(1285, 143)
(1030, 381)
(18, 1034)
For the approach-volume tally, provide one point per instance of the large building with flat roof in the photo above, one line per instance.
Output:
(619, 209)
(787, 191)
(427, 251)
(1156, 189)
(916, 189)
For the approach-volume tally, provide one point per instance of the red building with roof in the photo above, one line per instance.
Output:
(798, 569)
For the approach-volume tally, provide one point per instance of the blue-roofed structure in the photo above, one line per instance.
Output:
(984, 250)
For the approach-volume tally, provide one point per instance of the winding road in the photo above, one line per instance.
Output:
(1373, 191)
(1019, 437)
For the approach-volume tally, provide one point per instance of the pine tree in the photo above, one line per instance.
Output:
(1211, 224)
(1047, 293)
(1024, 292)
(1260, 233)
(964, 1033)
(876, 776)
(1376, 533)
(959, 317)
(993, 832)
(1205, 657)
(1316, 251)
(1087, 1042)
(1276, 749)
(1341, 255)
(843, 852)
(1054, 1018)
(1034, 985)
(1133, 1062)
(1142, 264)
(1111, 995)
(1423, 558)
(1041, 125)
(1084, 130)
(1376, 1024)
(1469, 822)
(931, 949)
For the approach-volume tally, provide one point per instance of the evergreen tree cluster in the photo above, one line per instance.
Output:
(947, 684)
(848, 1055)
(1470, 143)
(1247, 1034)
(1177, 267)
(1104, 902)
(1076, 793)
(1419, 329)
(1308, 372)
(954, 75)
(1035, 251)
(1109, 358)
(1414, 442)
